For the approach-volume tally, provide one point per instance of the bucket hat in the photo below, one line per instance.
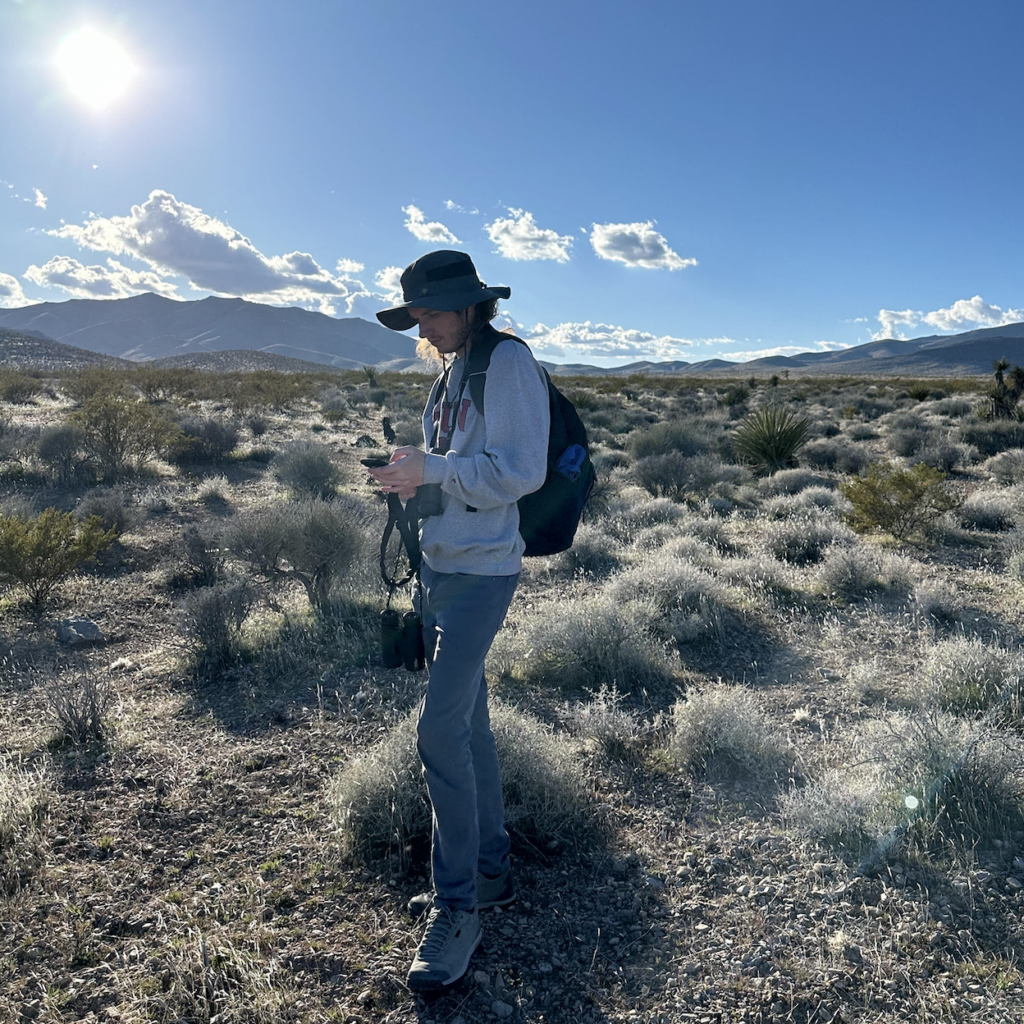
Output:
(444, 280)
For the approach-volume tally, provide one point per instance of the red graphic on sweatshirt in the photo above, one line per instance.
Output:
(446, 415)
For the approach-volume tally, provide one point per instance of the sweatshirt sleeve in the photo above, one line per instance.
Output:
(517, 422)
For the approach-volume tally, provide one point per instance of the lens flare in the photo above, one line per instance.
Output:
(95, 67)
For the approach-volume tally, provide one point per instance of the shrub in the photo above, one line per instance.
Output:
(685, 437)
(200, 559)
(968, 675)
(212, 619)
(722, 732)
(112, 506)
(676, 476)
(39, 553)
(769, 439)
(992, 437)
(791, 481)
(258, 423)
(828, 811)
(16, 387)
(379, 801)
(306, 468)
(61, 449)
(907, 442)
(988, 510)
(585, 644)
(942, 455)
(604, 721)
(898, 501)
(202, 441)
(78, 702)
(120, 433)
(849, 573)
(594, 552)
(840, 456)
(937, 603)
(313, 542)
(802, 540)
(24, 805)
(1006, 468)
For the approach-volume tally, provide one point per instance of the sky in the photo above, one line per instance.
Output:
(654, 179)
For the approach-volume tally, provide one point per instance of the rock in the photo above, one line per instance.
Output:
(500, 1009)
(79, 631)
(654, 882)
(853, 955)
(365, 997)
(1014, 883)
(482, 978)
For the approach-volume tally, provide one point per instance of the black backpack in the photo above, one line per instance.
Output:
(548, 517)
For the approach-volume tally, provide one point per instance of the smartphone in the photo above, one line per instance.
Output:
(375, 463)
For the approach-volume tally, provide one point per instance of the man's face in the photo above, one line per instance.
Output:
(446, 331)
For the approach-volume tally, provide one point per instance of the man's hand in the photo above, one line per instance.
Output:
(403, 474)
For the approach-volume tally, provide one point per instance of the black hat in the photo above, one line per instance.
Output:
(445, 280)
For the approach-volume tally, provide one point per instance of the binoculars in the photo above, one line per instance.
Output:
(401, 640)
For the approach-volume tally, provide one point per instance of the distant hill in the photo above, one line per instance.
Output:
(148, 327)
(33, 351)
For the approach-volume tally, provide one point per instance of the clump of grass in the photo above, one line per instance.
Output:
(721, 732)
(1006, 468)
(379, 801)
(213, 491)
(307, 469)
(211, 622)
(830, 811)
(937, 603)
(803, 540)
(114, 507)
(25, 797)
(78, 701)
(606, 722)
(593, 553)
(791, 481)
(585, 644)
(969, 676)
(849, 572)
(988, 510)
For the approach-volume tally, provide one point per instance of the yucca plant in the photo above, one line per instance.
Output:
(769, 439)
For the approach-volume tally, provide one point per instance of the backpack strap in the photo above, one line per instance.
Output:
(480, 359)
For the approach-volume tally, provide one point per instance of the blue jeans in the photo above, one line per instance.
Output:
(461, 615)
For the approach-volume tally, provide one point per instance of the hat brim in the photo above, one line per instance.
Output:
(398, 319)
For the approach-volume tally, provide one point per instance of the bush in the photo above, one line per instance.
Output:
(1006, 468)
(840, 456)
(39, 553)
(685, 437)
(802, 540)
(968, 675)
(937, 603)
(792, 481)
(988, 510)
(112, 506)
(908, 441)
(202, 441)
(212, 620)
(313, 542)
(849, 573)
(677, 476)
(200, 559)
(992, 437)
(379, 801)
(769, 439)
(16, 387)
(258, 423)
(61, 449)
(586, 644)
(78, 702)
(593, 553)
(306, 468)
(120, 433)
(24, 805)
(828, 811)
(604, 721)
(898, 501)
(722, 732)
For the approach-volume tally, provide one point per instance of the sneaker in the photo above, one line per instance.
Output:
(443, 955)
(490, 892)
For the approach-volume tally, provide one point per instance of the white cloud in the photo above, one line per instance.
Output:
(175, 238)
(636, 245)
(783, 350)
(389, 282)
(962, 315)
(518, 238)
(11, 294)
(114, 281)
(450, 204)
(424, 230)
(40, 199)
(577, 341)
(971, 313)
(349, 267)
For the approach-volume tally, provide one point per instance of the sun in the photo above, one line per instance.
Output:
(95, 67)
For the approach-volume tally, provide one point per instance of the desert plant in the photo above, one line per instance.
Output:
(200, 558)
(686, 437)
(61, 449)
(114, 507)
(258, 423)
(313, 542)
(849, 572)
(78, 701)
(988, 510)
(829, 811)
(202, 441)
(937, 603)
(379, 801)
(212, 619)
(1004, 396)
(607, 722)
(1006, 468)
(802, 539)
(39, 553)
(991, 437)
(898, 501)
(721, 731)
(120, 433)
(306, 468)
(17, 387)
(24, 804)
(593, 553)
(769, 439)
(968, 675)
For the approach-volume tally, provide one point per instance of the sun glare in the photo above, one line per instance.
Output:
(95, 67)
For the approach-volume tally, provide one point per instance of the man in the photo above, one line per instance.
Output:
(475, 469)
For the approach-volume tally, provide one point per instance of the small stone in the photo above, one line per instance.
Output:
(545, 968)
(500, 1009)
(853, 955)
(1014, 883)
(690, 859)
(654, 882)
(78, 632)
(983, 877)
(364, 997)
(482, 978)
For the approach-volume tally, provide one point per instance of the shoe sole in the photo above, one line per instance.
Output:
(418, 909)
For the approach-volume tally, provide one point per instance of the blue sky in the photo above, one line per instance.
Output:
(654, 180)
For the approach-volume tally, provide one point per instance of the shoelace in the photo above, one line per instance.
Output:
(442, 921)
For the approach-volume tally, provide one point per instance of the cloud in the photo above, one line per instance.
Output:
(586, 340)
(114, 281)
(349, 266)
(175, 238)
(40, 199)
(11, 294)
(636, 245)
(962, 315)
(389, 283)
(783, 350)
(450, 204)
(424, 230)
(518, 238)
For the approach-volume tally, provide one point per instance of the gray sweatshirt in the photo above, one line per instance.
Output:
(493, 460)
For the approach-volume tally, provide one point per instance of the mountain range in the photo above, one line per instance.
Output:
(235, 334)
